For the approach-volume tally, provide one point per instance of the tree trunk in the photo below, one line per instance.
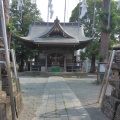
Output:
(105, 5)
(92, 68)
(104, 48)
(105, 36)
(6, 10)
(21, 65)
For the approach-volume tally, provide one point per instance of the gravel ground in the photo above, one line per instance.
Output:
(84, 88)
(32, 88)
(87, 92)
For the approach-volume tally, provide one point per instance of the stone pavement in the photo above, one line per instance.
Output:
(60, 103)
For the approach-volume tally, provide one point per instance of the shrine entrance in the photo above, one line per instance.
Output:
(55, 62)
(56, 59)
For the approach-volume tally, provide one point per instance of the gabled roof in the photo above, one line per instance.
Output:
(57, 34)
(56, 31)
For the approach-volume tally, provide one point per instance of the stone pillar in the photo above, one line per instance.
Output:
(2, 93)
(64, 63)
(46, 63)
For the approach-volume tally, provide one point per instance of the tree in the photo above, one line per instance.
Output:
(6, 12)
(21, 21)
(82, 57)
(101, 36)
(106, 31)
(92, 51)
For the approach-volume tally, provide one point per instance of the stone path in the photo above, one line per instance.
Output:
(60, 103)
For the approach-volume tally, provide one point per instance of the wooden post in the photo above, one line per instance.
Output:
(7, 59)
(106, 71)
(15, 70)
(107, 77)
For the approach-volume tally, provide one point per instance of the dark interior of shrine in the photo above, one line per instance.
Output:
(55, 59)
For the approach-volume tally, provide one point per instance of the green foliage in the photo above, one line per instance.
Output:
(117, 28)
(87, 20)
(104, 20)
(75, 13)
(10, 27)
(21, 22)
(93, 49)
(101, 24)
(82, 55)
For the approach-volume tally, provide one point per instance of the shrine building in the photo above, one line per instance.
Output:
(57, 45)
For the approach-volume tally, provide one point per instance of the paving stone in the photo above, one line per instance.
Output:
(51, 118)
(38, 118)
(60, 103)
(77, 103)
(75, 118)
(64, 118)
(69, 104)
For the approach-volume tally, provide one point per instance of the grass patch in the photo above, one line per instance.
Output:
(55, 104)
(64, 103)
(65, 107)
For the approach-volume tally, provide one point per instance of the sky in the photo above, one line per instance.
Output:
(58, 7)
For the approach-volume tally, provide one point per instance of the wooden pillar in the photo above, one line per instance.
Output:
(46, 63)
(64, 63)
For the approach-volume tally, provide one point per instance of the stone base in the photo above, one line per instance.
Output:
(117, 116)
(5, 107)
(3, 112)
(115, 93)
(110, 106)
(19, 103)
(6, 88)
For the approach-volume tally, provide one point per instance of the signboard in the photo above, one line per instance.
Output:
(102, 68)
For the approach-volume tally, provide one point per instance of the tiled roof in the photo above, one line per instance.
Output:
(40, 33)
